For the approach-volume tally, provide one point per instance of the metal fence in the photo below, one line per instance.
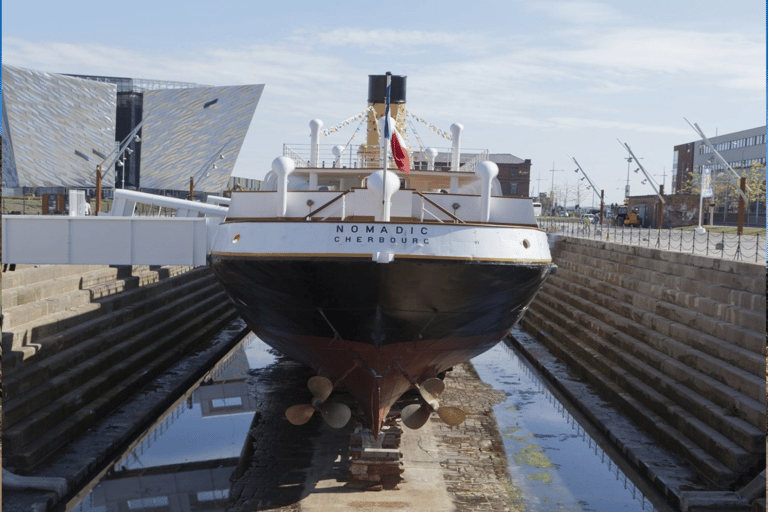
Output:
(22, 205)
(748, 248)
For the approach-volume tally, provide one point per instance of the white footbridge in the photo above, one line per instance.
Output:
(180, 234)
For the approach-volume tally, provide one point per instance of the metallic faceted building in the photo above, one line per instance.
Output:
(58, 128)
(194, 133)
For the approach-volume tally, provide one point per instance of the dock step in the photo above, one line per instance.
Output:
(91, 366)
(674, 340)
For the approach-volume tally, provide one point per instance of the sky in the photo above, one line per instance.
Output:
(540, 79)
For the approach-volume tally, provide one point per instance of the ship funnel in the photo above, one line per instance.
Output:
(377, 89)
(377, 94)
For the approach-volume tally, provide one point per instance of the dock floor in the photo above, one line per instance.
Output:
(445, 468)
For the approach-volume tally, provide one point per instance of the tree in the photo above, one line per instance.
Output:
(723, 189)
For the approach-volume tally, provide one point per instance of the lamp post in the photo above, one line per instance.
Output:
(591, 184)
(119, 151)
(552, 186)
(209, 164)
(641, 168)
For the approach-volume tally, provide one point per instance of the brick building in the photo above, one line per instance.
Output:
(740, 149)
(514, 173)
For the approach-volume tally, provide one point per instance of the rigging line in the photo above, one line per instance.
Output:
(444, 134)
(418, 139)
(363, 120)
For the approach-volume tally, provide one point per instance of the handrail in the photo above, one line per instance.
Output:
(470, 165)
(297, 158)
(311, 214)
(455, 218)
(424, 210)
(125, 201)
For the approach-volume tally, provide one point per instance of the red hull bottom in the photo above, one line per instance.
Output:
(377, 377)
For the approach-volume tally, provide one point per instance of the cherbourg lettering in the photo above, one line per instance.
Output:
(374, 234)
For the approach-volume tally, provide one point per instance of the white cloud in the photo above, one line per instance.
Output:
(580, 13)
(375, 38)
(592, 74)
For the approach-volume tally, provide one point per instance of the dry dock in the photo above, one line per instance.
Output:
(601, 291)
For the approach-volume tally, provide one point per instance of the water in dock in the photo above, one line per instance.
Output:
(557, 460)
(190, 457)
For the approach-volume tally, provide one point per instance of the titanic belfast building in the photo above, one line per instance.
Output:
(145, 134)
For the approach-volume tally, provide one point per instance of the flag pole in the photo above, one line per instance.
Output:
(387, 135)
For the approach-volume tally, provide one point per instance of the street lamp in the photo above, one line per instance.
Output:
(592, 186)
(120, 149)
(641, 168)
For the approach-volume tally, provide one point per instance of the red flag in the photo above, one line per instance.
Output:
(399, 154)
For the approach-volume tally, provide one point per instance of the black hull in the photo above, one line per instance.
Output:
(380, 304)
(377, 326)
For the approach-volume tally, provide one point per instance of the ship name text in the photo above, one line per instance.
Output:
(370, 234)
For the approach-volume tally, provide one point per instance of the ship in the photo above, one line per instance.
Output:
(380, 272)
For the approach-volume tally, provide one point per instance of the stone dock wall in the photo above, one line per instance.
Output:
(675, 341)
(79, 339)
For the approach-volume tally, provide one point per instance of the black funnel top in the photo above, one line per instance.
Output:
(377, 89)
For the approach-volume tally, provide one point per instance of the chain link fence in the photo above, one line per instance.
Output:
(748, 248)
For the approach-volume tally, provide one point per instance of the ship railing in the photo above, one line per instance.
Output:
(471, 164)
(298, 160)
(342, 206)
(425, 201)
(368, 157)
(726, 246)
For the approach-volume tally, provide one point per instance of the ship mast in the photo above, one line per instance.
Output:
(385, 203)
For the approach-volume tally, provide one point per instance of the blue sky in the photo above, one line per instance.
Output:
(540, 79)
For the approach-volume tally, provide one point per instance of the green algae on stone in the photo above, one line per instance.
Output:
(507, 432)
(532, 456)
(543, 477)
(514, 496)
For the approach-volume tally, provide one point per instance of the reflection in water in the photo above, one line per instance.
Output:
(188, 460)
(552, 459)
(185, 461)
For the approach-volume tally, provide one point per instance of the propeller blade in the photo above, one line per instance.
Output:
(299, 414)
(415, 416)
(430, 389)
(451, 415)
(335, 414)
(320, 387)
